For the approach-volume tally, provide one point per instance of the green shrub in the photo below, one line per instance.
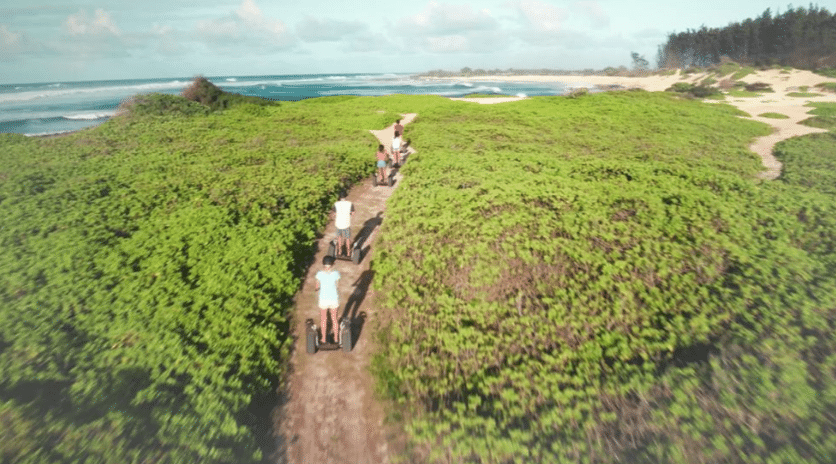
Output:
(828, 86)
(148, 271)
(774, 115)
(828, 72)
(824, 116)
(809, 161)
(162, 105)
(698, 91)
(206, 93)
(743, 93)
(758, 87)
(564, 300)
(579, 92)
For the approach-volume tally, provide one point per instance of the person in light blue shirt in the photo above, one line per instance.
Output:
(329, 297)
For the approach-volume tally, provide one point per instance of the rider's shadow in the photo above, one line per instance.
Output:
(368, 227)
(352, 306)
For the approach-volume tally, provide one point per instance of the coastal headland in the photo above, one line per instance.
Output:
(601, 277)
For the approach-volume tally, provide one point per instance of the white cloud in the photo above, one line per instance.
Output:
(447, 28)
(448, 44)
(248, 26)
(327, 30)
(166, 36)
(446, 19)
(366, 43)
(80, 24)
(540, 16)
(12, 44)
(593, 11)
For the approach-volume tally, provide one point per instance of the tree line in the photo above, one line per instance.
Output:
(800, 37)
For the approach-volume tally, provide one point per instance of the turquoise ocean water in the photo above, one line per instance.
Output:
(56, 107)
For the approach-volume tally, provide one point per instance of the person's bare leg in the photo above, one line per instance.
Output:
(334, 324)
(323, 321)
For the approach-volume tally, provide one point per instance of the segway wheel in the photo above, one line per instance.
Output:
(374, 180)
(355, 256)
(332, 249)
(391, 180)
(345, 335)
(310, 335)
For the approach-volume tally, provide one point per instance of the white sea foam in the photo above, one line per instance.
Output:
(522, 95)
(483, 89)
(41, 134)
(90, 116)
(73, 91)
(231, 79)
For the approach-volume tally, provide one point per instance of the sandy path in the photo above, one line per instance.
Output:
(329, 413)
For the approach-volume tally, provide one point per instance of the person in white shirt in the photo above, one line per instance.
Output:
(396, 149)
(343, 209)
(329, 297)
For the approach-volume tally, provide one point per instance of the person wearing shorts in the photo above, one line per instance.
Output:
(396, 148)
(344, 209)
(381, 163)
(329, 297)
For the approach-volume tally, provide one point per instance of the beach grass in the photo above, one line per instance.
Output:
(828, 86)
(774, 115)
(743, 94)
(803, 94)
(824, 115)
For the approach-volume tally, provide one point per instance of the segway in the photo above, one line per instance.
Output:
(390, 181)
(312, 338)
(354, 256)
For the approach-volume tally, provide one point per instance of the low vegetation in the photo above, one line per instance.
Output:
(148, 266)
(696, 91)
(563, 296)
(585, 279)
(774, 115)
(803, 94)
(824, 115)
(827, 86)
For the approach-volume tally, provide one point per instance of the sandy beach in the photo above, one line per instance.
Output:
(779, 101)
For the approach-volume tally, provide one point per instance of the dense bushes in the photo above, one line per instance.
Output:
(566, 296)
(698, 91)
(146, 271)
(206, 93)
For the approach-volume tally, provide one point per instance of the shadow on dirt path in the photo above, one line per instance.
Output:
(327, 411)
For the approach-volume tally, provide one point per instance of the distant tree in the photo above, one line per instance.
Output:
(800, 37)
(639, 62)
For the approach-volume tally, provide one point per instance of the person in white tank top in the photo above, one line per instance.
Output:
(343, 209)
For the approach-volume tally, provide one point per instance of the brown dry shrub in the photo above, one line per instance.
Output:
(726, 84)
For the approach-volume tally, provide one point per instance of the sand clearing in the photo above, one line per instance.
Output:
(778, 101)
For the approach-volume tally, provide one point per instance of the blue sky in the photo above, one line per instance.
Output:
(68, 40)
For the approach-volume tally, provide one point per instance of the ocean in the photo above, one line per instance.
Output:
(58, 107)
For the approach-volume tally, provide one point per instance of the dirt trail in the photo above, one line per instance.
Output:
(783, 129)
(329, 413)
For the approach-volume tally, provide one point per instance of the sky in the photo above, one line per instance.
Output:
(79, 40)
